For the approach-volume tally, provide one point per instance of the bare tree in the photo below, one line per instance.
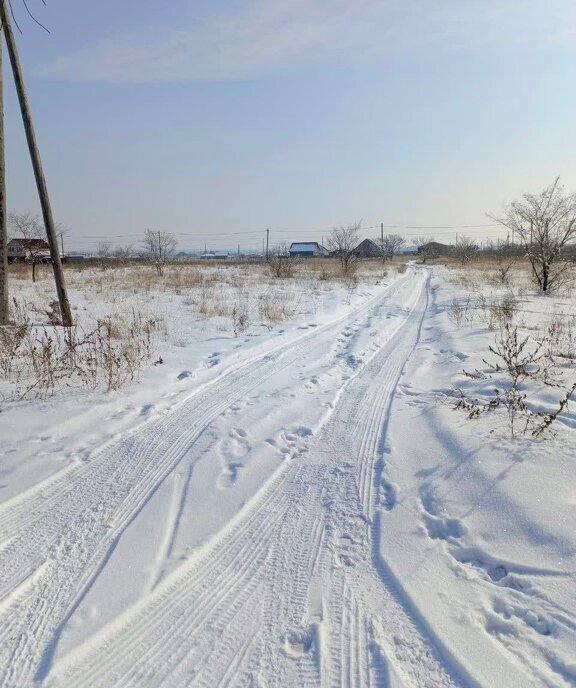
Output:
(280, 263)
(342, 242)
(545, 224)
(124, 253)
(426, 248)
(391, 245)
(104, 249)
(159, 246)
(36, 250)
(464, 249)
(104, 253)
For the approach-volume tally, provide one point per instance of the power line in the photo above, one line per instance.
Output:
(253, 237)
(262, 232)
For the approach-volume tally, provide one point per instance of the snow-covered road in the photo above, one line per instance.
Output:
(287, 591)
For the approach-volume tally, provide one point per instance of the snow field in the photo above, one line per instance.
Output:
(297, 505)
(481, 529)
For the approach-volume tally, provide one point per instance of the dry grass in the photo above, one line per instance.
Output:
(499, 293)
(124, 312)
(512, 275)
(38, 361)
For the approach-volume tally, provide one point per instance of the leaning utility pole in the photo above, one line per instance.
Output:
(4, 316)
(37, 165)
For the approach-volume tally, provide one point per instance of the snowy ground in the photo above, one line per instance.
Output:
(298, 505)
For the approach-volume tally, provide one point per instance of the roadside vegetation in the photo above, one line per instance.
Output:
(128, 311)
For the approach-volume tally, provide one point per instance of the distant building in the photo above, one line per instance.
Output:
(409, 251)
(368, 249)
(214, 255)
(434, 249)
(307, 249)
(26, 250)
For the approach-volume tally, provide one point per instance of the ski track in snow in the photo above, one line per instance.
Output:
(292, 591)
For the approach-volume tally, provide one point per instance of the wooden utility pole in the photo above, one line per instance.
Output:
(37, 165)
(267, 242)
(382, 241)
(4, 316)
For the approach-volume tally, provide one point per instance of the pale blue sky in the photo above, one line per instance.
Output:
(232, 116)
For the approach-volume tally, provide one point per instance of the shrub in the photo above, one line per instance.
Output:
(41, 360)
(518, 361)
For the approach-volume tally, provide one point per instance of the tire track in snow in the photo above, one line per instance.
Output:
(71, 526)
(306, 534)
(22, 509)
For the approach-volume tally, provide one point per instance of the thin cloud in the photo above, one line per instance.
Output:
(271, 36)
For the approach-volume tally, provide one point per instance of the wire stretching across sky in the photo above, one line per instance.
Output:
(325, 231)
(252, 240)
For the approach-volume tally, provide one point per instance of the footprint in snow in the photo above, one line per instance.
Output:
(232, 450)
(440, 528)
(388, 495)
(344, 550)
(292, 442)
(299, 642)
(509, 612)
(42, 438)
(213, 359)
(229, 475)
(301, 431)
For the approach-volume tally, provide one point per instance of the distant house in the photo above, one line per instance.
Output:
(28, 250)
(214, 255)
(368, 249)
(434, 249)
(409, 251)
(307, 249)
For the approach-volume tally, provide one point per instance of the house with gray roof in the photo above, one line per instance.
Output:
(307, 249)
